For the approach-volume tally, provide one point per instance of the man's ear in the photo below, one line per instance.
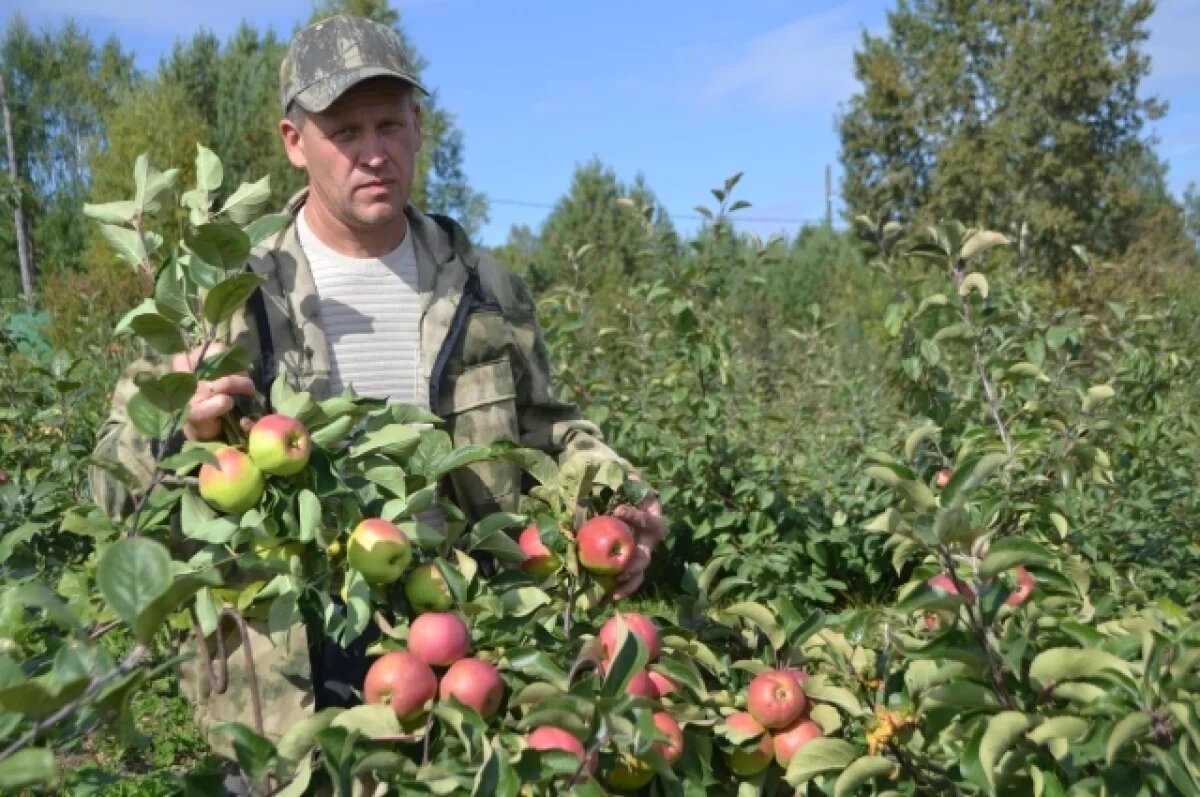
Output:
(293, 143)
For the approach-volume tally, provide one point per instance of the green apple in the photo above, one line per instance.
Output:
(427, 590)
(279, 445)
(379, 550)
(234, 484)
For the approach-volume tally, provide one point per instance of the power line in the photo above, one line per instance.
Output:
(521, 203)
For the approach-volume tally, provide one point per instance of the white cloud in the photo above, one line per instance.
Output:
(1172, 46)
(805, 65)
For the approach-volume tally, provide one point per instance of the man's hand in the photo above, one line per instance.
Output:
(649, 529)
(213, 400)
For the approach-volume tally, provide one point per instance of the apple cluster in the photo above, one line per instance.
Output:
(777, 719)
(604, 544)
(278, 445)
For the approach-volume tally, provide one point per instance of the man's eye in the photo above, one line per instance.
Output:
(342, 134)
(390, 128)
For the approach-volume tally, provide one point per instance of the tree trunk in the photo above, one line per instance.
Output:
(24, 256)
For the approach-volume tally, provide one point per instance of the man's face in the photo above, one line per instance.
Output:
(360, 153)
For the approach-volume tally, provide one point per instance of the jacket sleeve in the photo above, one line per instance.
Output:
(546, 421)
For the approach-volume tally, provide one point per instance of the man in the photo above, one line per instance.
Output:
(364, 289)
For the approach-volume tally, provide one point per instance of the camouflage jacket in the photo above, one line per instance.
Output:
(482, 354)
(488, 372)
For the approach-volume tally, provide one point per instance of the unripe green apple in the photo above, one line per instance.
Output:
(279, 444)
(630, 773)
(234, 484)
(379, 550)
(427, 590)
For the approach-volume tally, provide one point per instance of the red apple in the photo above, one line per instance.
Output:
(3, 477)
(548, 737)
(279, 444)
(750, 762)
(427, 590)
(539, 560)
(943, 477)
(642, 685)
(638, 624)
(943, 582)
(791, 739)
(671, 749)
(606, 545)
(439, 638)
(234, 484)
(1025, 584)
(663, 684)
(379, 550)
(401, 680)
(775, 698)
(475, 683)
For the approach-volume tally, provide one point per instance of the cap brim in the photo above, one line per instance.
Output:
(320, 95)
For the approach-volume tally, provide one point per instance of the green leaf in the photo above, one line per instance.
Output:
(254, 752)
(918, 436)
(1066, 664)
(763, 619)
(209, 172)
(969, 476)
(631, 657)
(228, 296)
(373, 721)
(129, 244)
(861, 771)
(1097, 394)
(221, 246)
(496, 778)
(264, 227)
(32, 766)
(132, 574)
(247, 200)
(149, 419)
(818, 688)
(523, 601)
(150, 619)
(1009, 552)
(199, 522)
(158, 331)
(393, 440)
(1132, 726)
(959, 694)
(974, 282)
(981, 242)
(310, 515)
(1003, 731)
(121, 212)
(1073, 729)
(169, 392)
(819, 756)
(300, 738)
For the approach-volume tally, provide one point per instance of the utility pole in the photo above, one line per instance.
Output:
(23, 254)
(828, 195)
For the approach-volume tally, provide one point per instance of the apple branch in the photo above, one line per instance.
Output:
(127, 666)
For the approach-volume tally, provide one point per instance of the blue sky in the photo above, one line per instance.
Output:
(684, 92)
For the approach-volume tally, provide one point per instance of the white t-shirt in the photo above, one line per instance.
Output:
(371, 314)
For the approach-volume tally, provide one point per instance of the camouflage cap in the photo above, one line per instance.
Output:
(328, 57)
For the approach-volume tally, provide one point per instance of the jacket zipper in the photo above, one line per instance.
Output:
(457, 325)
